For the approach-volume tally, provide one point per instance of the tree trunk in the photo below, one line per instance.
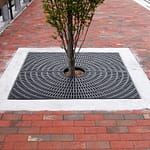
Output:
(70, 51)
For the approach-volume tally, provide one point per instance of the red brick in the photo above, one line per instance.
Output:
(25, 145)
(63, 123)
(16, 138)
(50, 146)
(42, 123)
(8, 146)
(122, 144)
(85, 137)
(93, 117)
(95, 130)
(12, 117)
(128, 137)
(142, 144)
(139, 129)
(2, 138)
(4, 123)
(51, 130)
(32, 117)
(143, 122)
(145, 136)
(22, 124)
(29, 130)
(84, 123)
(106, 123)
(1, 145)
(75, 130)
(97, 145)
(1, 114)
(74, 145)
(108, 137)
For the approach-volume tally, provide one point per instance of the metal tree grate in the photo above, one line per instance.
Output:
(42, 77)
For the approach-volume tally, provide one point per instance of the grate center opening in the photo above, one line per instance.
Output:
(79, 72)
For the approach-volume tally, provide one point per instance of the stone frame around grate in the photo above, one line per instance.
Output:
(139, 78)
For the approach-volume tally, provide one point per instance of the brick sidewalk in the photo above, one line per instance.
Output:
(116, 24)
(75, 130)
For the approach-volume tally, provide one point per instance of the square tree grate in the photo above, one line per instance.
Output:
(42, 77)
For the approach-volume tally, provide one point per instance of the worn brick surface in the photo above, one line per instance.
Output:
(133, 116)
(11, 117)
(116, 24)
(113, 116)
(73, 117)
(29, 130)
(52, 117)
(119, 129)
(8, 130)
(98, 145)
(126, 122)
(147, 116)
(39, 137)
(74, 145)
(62, 137)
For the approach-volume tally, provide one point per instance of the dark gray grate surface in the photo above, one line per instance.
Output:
(42, 77)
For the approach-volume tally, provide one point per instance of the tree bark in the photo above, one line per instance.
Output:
(70, 50)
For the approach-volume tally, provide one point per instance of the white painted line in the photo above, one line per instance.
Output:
(138, 76)
(143, 3)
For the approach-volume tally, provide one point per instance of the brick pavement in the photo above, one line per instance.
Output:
(116, 24)
(80, 130)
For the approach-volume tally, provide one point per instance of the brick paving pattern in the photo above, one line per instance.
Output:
(82, 130)
(116, 24)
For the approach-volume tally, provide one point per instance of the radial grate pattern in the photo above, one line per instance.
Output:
(42, 77)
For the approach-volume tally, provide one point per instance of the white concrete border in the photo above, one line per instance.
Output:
(138, 76)
(143, 3)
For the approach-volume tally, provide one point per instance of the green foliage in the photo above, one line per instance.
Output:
(70, 16)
